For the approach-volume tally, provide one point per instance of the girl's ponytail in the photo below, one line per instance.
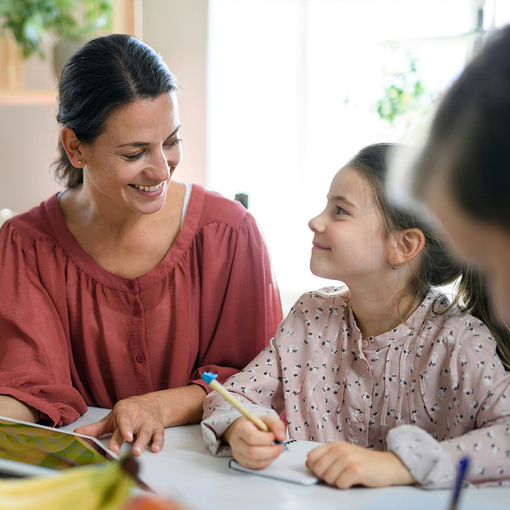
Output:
(473, 298)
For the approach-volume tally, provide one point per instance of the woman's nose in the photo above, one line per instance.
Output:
(161, 167)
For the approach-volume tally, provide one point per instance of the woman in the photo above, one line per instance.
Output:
(121, 290)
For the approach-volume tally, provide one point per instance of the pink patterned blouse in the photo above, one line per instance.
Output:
(431, 390)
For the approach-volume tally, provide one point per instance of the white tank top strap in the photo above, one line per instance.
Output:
(187, 195)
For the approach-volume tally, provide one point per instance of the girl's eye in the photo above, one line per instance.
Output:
(340, 210)
(134, 157)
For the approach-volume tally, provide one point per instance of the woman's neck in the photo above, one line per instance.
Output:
(380, 310)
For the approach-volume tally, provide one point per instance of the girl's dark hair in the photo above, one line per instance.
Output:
(103, 74)
(469, 142)
(438, 267)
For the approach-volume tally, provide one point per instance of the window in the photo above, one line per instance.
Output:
(296, 88)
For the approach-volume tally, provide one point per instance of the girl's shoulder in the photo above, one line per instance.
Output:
(325, 299)
(459, 328)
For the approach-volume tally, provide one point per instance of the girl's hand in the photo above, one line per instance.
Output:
(252, 447)
(343, 465)
(134, 416)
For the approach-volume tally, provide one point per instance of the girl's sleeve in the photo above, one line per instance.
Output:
(474, 409)
(240, 301)
(35, 356)
(259, 387)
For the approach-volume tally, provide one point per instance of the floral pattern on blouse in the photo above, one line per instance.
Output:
(432, 390)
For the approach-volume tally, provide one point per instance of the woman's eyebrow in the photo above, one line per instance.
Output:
(143, 144)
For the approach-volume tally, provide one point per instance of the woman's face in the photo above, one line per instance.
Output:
(130, 164)
(481, 244)
(349, 242)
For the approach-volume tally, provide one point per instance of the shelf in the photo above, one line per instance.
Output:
(27, 97)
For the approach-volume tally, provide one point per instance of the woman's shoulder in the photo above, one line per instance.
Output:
(33, 224)
(218, 209)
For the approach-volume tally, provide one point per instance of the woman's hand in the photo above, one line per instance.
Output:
(252, 447)
(145, 417)
(344, 465)
(133, 416)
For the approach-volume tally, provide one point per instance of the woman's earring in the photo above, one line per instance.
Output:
(80, 162)
(393, 266)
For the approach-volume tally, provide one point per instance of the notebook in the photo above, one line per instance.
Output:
(289, 466)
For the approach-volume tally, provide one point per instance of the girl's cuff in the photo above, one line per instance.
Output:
(428, 462)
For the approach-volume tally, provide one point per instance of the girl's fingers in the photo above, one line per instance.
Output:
(277, 427)
(258, 457)
(327, 467)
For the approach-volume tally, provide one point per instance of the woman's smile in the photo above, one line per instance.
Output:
(150, 191)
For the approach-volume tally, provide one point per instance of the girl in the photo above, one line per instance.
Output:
(396, 381)
(463, 173)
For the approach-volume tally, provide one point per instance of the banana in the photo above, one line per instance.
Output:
(104, 487)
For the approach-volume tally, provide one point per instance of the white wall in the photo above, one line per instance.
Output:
(28, 140)
(177, 29)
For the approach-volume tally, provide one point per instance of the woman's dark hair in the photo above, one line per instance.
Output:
(469, 142)
(438, 268)
(103, 74)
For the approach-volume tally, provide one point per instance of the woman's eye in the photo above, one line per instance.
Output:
(173, 143)
(134, 157)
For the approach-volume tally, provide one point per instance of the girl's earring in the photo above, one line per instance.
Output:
(393, 266)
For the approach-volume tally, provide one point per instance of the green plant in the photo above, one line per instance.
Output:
(402, 93)
(31, 21)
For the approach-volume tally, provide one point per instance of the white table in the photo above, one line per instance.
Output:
(185, 471)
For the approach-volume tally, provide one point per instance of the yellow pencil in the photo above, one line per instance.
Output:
(210, 379)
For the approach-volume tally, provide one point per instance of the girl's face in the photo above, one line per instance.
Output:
(482, 244)
(131, 162)
(349, 242)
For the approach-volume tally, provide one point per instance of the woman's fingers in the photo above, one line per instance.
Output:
(98, 428)
(144, 436)
(158, 439)
(116, 441)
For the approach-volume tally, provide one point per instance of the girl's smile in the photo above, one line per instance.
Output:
(349, 238)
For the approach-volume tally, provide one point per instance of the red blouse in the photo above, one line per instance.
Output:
(73, 334)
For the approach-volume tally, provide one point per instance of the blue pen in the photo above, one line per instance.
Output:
(461, 474)
(210, 379)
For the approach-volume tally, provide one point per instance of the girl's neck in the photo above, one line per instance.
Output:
(379, 312)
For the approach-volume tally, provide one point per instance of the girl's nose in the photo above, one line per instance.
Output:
(315, 224)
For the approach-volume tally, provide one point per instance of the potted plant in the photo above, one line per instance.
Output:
(70, 21)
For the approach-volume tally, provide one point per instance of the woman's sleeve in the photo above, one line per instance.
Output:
(259, 387)
(34, 355)
(475, 407)
(240, 301)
